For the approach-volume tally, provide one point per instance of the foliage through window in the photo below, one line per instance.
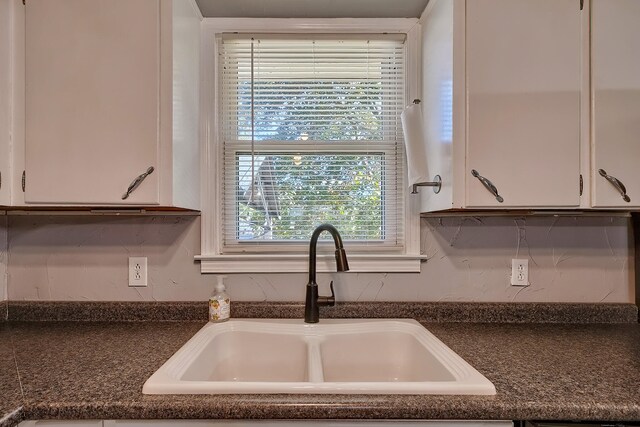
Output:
(311, 134)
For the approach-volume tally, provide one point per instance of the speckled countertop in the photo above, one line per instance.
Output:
(71, 370)
(10, 393)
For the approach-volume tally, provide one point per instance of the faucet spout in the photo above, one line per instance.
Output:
(313, 301)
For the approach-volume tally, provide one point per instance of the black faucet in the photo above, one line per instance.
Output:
(313, 301)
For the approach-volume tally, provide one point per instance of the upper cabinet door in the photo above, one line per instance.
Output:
(523, 66)
(5, 104)
(92, 100)
(615, 65)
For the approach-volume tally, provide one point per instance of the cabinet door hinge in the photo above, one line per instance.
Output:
(0, 180)
(581, 184)
(24, 179)
(581, 4)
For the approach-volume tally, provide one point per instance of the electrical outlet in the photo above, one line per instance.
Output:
(519, 272)
(137, 271)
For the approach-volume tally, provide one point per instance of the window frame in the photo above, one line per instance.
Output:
(212, 258)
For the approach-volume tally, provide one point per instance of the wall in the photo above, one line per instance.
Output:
(5, 137)
(3, 258)
(636, 256)
(85, 258)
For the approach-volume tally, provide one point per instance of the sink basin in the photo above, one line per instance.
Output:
(363, 356)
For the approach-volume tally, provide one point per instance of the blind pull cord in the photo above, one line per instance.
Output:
(253, 130)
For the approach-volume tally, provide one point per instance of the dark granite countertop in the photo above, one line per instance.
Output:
(11, 397)
(83, 370)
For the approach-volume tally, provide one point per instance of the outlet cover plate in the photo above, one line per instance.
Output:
(137, 271)
(519, 272)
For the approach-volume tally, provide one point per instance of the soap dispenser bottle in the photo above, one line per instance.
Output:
(219, 302)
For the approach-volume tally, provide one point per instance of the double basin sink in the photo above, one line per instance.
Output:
(336, 356)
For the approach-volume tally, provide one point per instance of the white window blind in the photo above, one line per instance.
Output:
(311, 134)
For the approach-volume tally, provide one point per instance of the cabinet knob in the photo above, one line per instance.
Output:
(136, 182)
(488, 185)
(616, 183)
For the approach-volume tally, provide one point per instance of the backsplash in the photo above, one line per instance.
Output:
(3, 258)
(85, 258)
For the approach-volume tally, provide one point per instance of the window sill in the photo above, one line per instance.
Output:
(279, 263)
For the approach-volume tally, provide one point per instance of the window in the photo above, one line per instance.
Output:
(308, 131)
(311, 134)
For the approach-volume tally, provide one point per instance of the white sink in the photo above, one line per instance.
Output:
(370, 356)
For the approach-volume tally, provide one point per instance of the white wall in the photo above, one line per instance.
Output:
(85, 258)
(3, 258)
(5, 135)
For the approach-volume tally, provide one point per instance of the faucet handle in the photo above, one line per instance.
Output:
(328, 301)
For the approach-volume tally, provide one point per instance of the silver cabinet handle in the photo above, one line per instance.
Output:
(136, 182)
(616, 183)
(488, 185)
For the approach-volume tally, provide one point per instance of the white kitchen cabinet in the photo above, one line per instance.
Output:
(615, 62)
(112, 95)
(12, 106)
(523, 102)
(5, 104)
(502, 88)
